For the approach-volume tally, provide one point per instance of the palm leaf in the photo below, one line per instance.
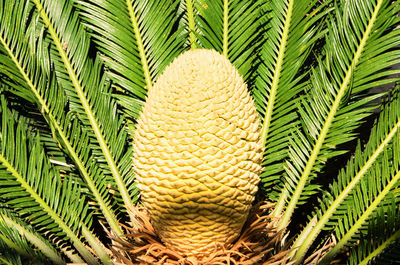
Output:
(12, 229)
(367, 198)
(331, 111)
(28, 183)
(137, 42)
(381, 240)
(293, 29)
(9, 256)
(367, 175)
(38, 84)
(87, 91)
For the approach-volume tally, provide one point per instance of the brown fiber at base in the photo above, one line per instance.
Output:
(258, 244)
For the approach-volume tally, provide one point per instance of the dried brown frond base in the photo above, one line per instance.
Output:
(259, 243)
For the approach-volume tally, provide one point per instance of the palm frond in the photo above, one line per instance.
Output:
(10, 256)
(337, 101)
(367, 198)
(37, 83)
(12, 243)
(361, 187)
(232, 28)
(86, 89)
(16, 234)
(389, 256)
(137, 41)
(293, 29)
(378, 245)
(28, 183)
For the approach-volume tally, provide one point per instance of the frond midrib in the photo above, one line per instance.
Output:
(191, 24)
(381, 248)
(328, 122)
(277, 72)
(11, 245)
(225, 29)
(140, 45)
(5, 261)
(362, 219)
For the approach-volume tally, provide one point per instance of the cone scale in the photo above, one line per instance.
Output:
(198, 153)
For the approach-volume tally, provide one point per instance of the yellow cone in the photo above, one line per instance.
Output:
(198, 153)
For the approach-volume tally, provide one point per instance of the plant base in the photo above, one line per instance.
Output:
(259, 243)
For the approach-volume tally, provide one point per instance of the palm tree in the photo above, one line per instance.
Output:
(75, 74)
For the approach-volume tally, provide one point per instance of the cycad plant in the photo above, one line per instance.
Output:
(76, 73)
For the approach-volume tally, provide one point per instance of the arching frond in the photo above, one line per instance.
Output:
(38, 84)
(87, 90)
(292, 28)
(16, 234)
(28, 183)
(367, 198)
(337, 102)
(362, 186)
(378, 245)
(137, 41)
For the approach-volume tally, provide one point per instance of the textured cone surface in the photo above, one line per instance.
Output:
(198, 153)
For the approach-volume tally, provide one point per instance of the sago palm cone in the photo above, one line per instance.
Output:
(198, 153)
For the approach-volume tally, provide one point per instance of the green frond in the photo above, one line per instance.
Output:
(137, 41)
(29, 183)
(10, 256)
(389, 256)
(186, 23)
(233, 29)
(40, 84)
(292, 28)
(367, 198)
(380, 242)
(337, 102)
(74, 75)
(360, 188)
(15, 234)
(86, 88)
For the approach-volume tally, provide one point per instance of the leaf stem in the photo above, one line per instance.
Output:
(280, 204)
(97, 246)
(381, 247)
(11, 245)
(140, 45)
(225, 34)
(36, 241)
(277, 73)
(272, 95)
(191, 24)
(5, 261)
(363, 218)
